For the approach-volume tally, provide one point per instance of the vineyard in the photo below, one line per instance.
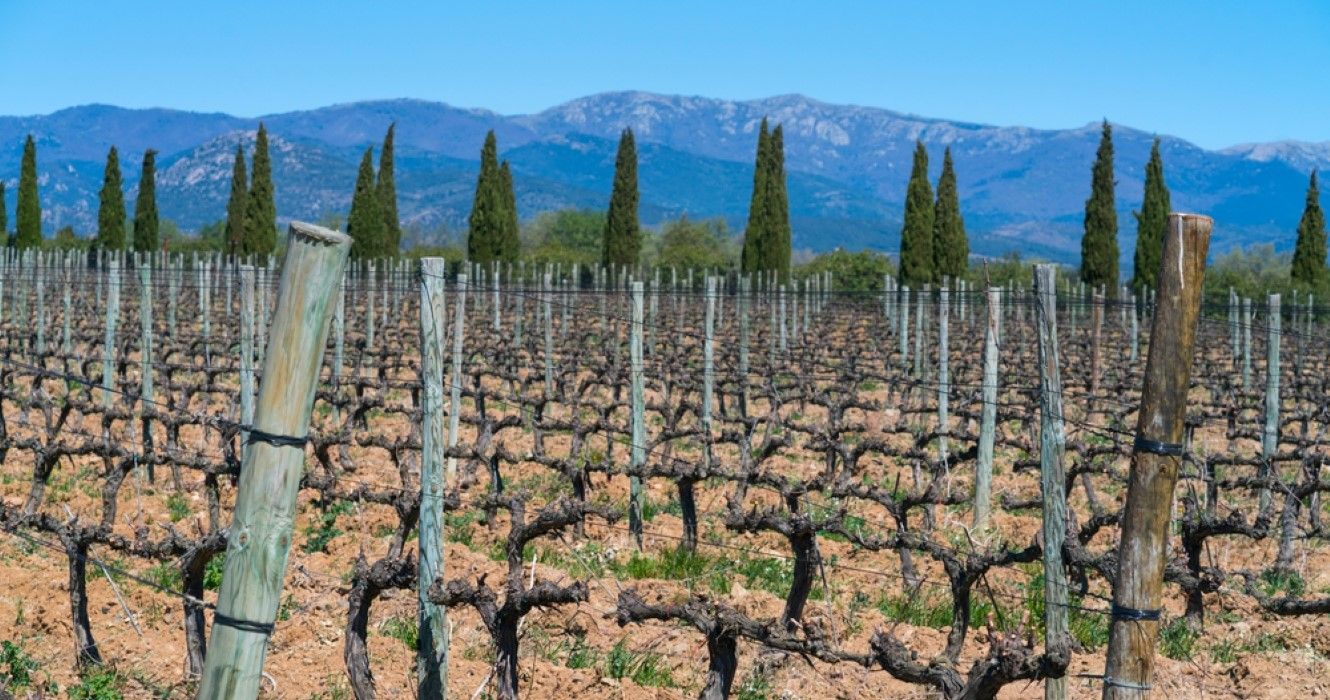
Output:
(657, 484)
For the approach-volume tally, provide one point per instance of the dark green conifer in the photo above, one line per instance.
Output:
(237, 206)
(1099, 245)
(623, 235)
(916, 257)
(756, 234)
(1309, 253)
(261, 211)
(776, 256)
(365, 221)
(1151, 224)
(951, 247)
(29, 207)
(392, 226)
(487, 209)
(145, 206)
(111, 206)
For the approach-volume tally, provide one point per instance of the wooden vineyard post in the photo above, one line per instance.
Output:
(246, 349)
(339, 347)
(638, 453)
(455, 378)
(1135, 331)
(741, 308)
(983, 478)
(1270, 432)
(260, 533)
(65, 340)
(39, 313)
(432, 644)
(943, 373)
(498, 311)
(1233, 331)
(784, 342)
(205, 310)
(1053, 478)
(903, 334)
(1246, 342)
(919, 333)
(1156, 458)
(112, 316)
(173, 292)
(546, 300)
(146, 391)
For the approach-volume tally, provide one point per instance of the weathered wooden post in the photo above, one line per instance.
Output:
(983, 476)
(432, 641)
(919, 310)
(638, 454)
(246, 350)
(903, 334)
(1233, 331)
(1156, 457)
(1270, 432)
(40, 312)
(547, 298)
(1246, 342)
(943, 373)
(455, 380)
(108, 345)
(205, 308)
(146, 392)
(1053, 478)
(260, 532)
(1096, 352)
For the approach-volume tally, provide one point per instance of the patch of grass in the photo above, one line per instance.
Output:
(757, 686)
(457, 527)
(645, 668)
(650, 508)
(320, 534)
(1277, 581)
(674, 565)
(1177, 640)
(98, 683)
(775, 576)
(403, 628)
(16, 667)
(165, 576)
(1225, 652)
(918, 609)
(177, 506)
(580, 655)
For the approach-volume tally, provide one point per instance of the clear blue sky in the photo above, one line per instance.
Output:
(1217, 72)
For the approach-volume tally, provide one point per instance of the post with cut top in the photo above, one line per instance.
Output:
(638, 453)
(108, 346)
(983, 476)
(455, 380)
(1053, 478)
(432, 642)
(146, 392)
(1270, 431)
(260, 533)
(1156, 458)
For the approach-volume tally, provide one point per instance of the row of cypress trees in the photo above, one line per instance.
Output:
(1309, 252)
(111, 207)
(933, 240)
(251, 212)
(28, 234)
(492, 227)
(375, 230)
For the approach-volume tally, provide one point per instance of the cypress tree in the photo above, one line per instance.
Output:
(951, 247)
(776, 255)
(236, 206)
(509, 242)
(623, 235)
(261, 212)
(1309, 253)
(365, 222)
(916, 257)
(1099, 245)
(487, 207)
(29, 208)
(111, 206)
(392, 226)
(756, 233)
(145, 207)
(1151, 224)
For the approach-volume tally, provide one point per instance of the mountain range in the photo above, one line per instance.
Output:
(1021, 189)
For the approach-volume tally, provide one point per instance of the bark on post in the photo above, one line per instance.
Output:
(943, 373)
(260, 532)
(1137, 589)
(983, 479)
(1053, 478)
(108, 346)
(1270, 432)
(455, 379)
(432, 641)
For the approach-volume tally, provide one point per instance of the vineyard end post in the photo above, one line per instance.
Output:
(1053, 478)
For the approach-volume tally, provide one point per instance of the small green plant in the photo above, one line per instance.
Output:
(1275, 581)
(177, 506)
(1177, 640)
(580, 655)
(318, 535)
(16, 667)
(212, 573)
(757, 686)
(1225, 652)
(165, 576)
(918, 609)
(284, 610)
(98, 683)
(644, 668)
(402, 628)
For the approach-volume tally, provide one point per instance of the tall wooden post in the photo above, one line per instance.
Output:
(1137, 589)
(903, 335)
(548, 314)
(146, 391)
(1246, 342)
(1053, 478)
(260, 532)
(112, 317)
(432, 642)
(943, 372)
(246, 348)
(638, 455)
(1270, 432)
(455, 380)
(983, 477)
